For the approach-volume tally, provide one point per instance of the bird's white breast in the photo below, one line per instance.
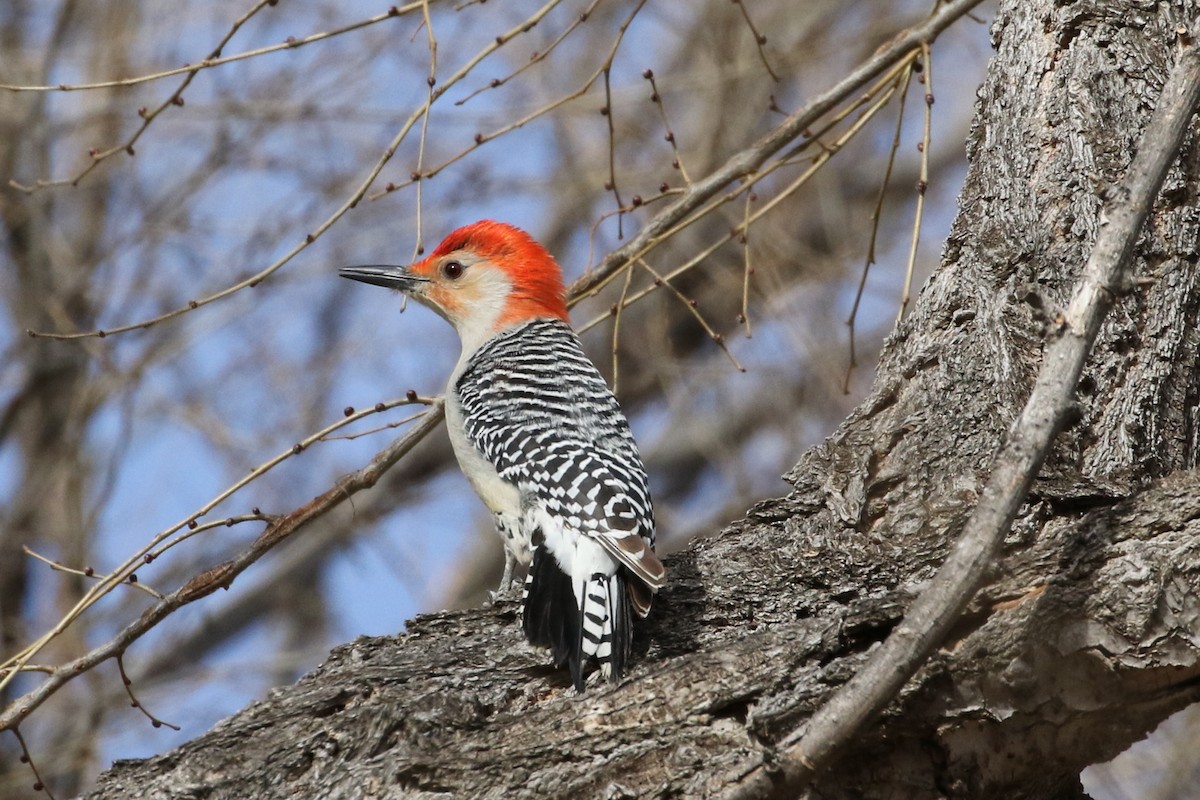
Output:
(500, 496)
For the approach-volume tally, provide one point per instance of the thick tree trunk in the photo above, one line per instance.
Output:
(1084, 640)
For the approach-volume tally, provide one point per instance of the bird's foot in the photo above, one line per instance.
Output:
(508, 588)
(505, 593)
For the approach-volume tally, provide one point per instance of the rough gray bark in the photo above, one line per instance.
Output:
(1083, 641)
(1107, 275)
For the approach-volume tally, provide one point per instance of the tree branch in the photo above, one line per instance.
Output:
(747, 161)
(222, 575)
(456, 707)
(813, 746)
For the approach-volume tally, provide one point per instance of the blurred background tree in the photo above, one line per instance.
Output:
(575, 120)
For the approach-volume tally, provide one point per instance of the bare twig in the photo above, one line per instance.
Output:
(760, 40)
(86, 572)
(922, 182)
(148, 115)
(876, 215)
(348, 437)
(27, 757)
(134, 702)
(690, 304)
(536, 58)
(419, 245)
(616, 311)
(611, 185)
(350, 202)
(828, 151)
(747, 267)
(656, 98)
(811, 748)
(483, 138)
(167, 539)
(747, 161)
(222, 575)
(210, 62)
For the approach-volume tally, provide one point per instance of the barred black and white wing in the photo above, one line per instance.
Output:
(538, 410)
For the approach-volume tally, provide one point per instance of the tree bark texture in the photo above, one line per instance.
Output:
(1084, 640)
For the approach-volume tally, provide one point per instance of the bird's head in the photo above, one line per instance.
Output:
(484, 278)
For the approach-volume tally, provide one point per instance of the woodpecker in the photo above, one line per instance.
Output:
(542, 441)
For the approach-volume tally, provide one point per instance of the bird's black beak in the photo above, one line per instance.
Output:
(389, 277)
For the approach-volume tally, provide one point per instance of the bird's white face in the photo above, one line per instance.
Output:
(467, 290)
(484, 278)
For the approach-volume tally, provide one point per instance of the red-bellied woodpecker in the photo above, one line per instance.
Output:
(541, 439)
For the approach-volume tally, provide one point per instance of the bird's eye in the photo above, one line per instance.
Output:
(453, 270)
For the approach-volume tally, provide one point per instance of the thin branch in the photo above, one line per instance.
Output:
(46, 668)
(690, 304)
(134, 702)
(536, 58)
(86, 572)
(195, 528)
(760, 40)
(12, 665)
(876, 216)
(827, 153)
(27, 758)
(211, 62)
(483, 138)
(148, 115)
(812, 748)
(747, 266)
(351, 202)
(616, 311)
(611, 185)
(656, 98)
(748, 161)
(349, 437)
(222, 575)
(922, 182)
(419, 246)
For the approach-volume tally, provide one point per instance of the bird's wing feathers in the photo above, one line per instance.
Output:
(593, 494)
(579, 485)
(636, 554)
(540, 412)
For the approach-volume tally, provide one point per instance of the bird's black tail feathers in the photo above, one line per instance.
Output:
(601, 629)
